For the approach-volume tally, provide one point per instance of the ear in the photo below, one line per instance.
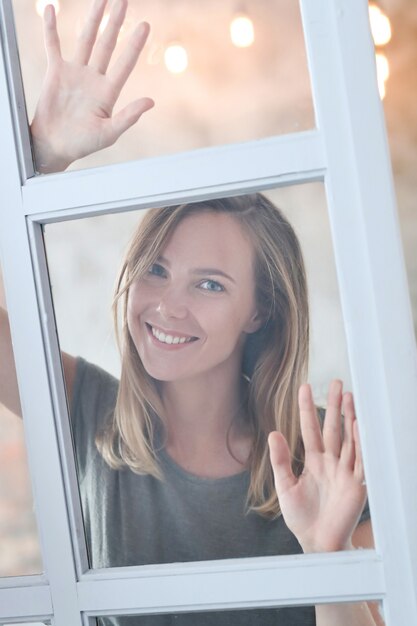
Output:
(254, 324)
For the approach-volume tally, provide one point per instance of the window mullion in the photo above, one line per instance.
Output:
(373, 282)
(15, 86)
(183, 177)
(40, 434)
(236, 583)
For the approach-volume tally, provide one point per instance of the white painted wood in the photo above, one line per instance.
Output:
(376, 311)
(58, 394)
(224, 170)
(17, 100)
(40, 434)
(373, 282)
(30, 602)
(236, 583)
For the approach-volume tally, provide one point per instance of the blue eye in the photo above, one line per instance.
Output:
(211, 285)
(157, 270)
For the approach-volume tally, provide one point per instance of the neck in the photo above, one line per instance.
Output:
(205, 417)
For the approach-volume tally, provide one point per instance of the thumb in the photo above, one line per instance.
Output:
(280, 457)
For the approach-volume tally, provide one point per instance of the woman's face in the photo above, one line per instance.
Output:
(191, 312)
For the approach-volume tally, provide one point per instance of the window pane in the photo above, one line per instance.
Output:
(19, 545)
(227, 93)
(198, 511)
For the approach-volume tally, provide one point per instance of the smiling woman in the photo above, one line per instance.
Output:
(209, 446)
(211, 313)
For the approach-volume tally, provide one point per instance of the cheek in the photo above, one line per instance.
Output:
(224, 323)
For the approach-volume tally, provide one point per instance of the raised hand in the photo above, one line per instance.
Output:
(74, 116)
(322, 506)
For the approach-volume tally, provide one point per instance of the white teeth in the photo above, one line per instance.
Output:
(169, 339)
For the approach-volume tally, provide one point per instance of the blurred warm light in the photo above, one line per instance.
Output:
(105, 21)
(380, 26)
(41, 4)
(382, 68)
(241, 31)
(176, 58)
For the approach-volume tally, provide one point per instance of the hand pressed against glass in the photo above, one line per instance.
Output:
(323, 505)
(74, 116)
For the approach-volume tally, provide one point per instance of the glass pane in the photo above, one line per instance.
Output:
(193, 322)
(227, 94)
(19, 544)
(283, 616)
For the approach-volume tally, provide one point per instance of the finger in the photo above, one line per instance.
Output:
(310, 426)
(51, 37)
(359, 471)
(107, 41)
(347, 455)
(332, 428)
(280, 456)
(128, 59)
(128, 116)
(89, 32)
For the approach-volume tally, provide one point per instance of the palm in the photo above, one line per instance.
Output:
(322, 506)
(74, 116)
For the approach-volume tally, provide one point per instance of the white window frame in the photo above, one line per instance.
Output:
(348, 152)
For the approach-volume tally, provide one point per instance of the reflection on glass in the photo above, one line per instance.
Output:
(283, 616)
(19, 546)
(218, 73)
(173, 461)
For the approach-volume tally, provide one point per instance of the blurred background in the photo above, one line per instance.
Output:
(220, 72)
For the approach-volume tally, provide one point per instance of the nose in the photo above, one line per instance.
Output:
(172, 304)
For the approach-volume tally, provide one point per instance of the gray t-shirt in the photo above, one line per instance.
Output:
(133, 519)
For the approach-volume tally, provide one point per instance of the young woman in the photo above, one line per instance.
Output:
(174, 460)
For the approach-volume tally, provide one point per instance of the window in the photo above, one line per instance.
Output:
(354, 167)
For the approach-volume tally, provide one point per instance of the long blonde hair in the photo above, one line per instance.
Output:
(275, 357)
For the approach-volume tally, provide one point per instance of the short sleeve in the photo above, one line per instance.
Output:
(93, 401)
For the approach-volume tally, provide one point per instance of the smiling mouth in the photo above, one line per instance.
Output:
(169, 338)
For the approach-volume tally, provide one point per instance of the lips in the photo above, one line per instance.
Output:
(170, 337)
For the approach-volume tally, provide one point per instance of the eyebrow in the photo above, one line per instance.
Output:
(202, 271)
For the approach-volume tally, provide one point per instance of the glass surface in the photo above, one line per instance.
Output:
(83, 258)
(19, 544)
(227, 93)
(283, 616)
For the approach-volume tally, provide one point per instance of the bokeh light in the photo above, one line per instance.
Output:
(41, 4)
(382, 67)
(380, 26)
(242, 32)
(176, 58)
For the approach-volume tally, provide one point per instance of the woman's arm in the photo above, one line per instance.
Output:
(366, 613)
(322, 506)
(74, 116)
